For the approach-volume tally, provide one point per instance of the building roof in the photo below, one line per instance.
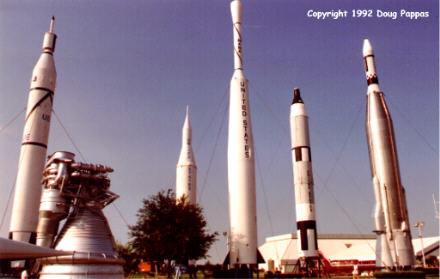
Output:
(360, 247)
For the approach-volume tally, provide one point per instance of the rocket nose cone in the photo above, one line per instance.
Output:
(186, 123)
(52, 23)
(296, 96)
(367, 49)
(236, 11)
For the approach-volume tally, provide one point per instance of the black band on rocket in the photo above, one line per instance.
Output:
(34, 143)
(373, 80)
(303, 226)
(298, 153)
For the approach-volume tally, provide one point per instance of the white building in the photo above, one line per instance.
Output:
(281, 251)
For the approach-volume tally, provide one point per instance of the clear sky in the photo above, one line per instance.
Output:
(127, 70)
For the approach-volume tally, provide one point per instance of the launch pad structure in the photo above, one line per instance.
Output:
(311, 267)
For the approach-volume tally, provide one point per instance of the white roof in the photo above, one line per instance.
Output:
(336, 247)
(429, 244)
(339, 247)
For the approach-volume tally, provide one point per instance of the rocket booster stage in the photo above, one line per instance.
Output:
(186, 171)
(241, 170)
(303, 179)
(391, 214)
(34, 144)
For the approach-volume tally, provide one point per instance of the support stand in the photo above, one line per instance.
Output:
(311, 267)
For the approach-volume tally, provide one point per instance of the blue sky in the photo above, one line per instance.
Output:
(127, 70)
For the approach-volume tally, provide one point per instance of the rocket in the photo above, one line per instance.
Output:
(28, 186)
(303, 179)
(186, 170)
(17, 250)
(391, 213)
(241, 169)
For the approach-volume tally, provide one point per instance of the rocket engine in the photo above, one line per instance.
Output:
(78, 192)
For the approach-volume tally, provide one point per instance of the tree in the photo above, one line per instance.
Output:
(131, 261)
(168, 231)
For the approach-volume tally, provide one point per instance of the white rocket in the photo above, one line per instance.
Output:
(303, 178)
(241, 170)
(186, 170)
(17, 250)
(391, 213)
(34, 144)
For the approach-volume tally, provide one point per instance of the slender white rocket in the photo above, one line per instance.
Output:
(241, 170)
(19, 250)
(303, 179)
(28, 187)
(186, 170)
(391, 213)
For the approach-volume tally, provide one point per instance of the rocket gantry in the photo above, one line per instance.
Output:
(186, 170)
(34, 144)
(391, 214)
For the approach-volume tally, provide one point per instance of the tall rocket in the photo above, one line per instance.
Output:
(186, 170)
(28, 186)
(241, 169)
(391, 213)
(303, 178)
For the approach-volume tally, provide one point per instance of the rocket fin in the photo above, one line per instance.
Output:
(260, 258)
(226, 261)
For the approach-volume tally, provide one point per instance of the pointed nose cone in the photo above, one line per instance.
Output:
(187, 124)
(52, 22)
(50, 38)
(186, 154)
(186, 130)
(367, 49)
(296, 96)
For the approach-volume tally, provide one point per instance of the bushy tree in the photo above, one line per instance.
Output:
(168, 231)
(131, 261)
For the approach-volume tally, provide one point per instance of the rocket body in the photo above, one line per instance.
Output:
(241, 169)
(186, 170)
(391, 214)
(303, 179)
(28, 186)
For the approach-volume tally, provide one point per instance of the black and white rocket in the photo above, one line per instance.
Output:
(28, 186)
(391, 213)
(241, 169)
(303, 178)
(186, 170)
